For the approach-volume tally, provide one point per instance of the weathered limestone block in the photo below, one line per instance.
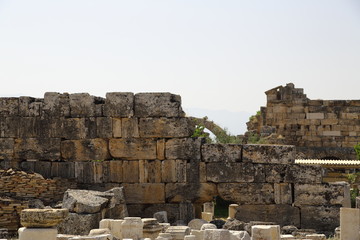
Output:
(161, 216)
(190, 237)
(133, 149)
(158, 105)
(321, 194)
(144, 193)
(150, 171)
(275, 173)
(113, 171)
(233, 172)
(104, 127)
(89, 172)
(315, 115)
(239, 235)
(85, 201)
(9, 127)
(316, 236)
(209, 207)
(130, 127)
(247, 193)
(196, 223)
(95, 237)
(30, 107)
(321, 218)
(6, 148)
(283, 193)
(151, 228)
(284, 154)
(165, 127)
(265, 232)
(119, 104)
(349, 223)
(37, 233)
(79, 224)
(116, 227)
(131, 171)
(180, 192)
(56, 104)
(178, 232)
(74, 128)
(116, 127)
(36, 127)
(208, 226)
(160, 149)
(63, 170)
(207, 216)
(85, 150)
(132, 227)
(173, 171)
(183, 148)
(221, 152)
(282, 214)
(42, 218)
(82, 105)
(216, 234)
(296, 173)
(9, 106)
(99, 231)
(37, 148)
(43, 168)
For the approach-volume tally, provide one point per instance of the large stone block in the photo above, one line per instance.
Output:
(349, 223)
(144, 193)
(182, 192)
(320, 218)
(37, 233)
(79, 224)
(74, 128)
(133, 149)
(82, 105)
(42, 218)
(116, 127)
(221, 152)
(281, 214)
(85, 150)
(284, 154)
(173, 171)
(183, 148)
(265, 232)
(321, 194)
(43, 168)
(233, 172)
(119, 104)
(104, 127)
(63, 169)
(131, 172)
(6, 148)
(113, 171)
(9, 127)
(165, 127)
(158, 105)
(89, 172)
(130, 127)
(30, 127)
(56, 104)
(9, 106)
(283, 193)
(303, 174)
(30, 107)
(275, 173)
(150, 171)
(37, 148)
(247, 193)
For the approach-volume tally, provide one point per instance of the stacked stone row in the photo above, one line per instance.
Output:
(316, 123)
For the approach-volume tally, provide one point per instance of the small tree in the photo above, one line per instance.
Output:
(357, 150)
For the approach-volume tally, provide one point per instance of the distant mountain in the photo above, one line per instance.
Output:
(235, 122)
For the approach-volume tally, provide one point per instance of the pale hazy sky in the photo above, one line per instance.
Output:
(218, 55)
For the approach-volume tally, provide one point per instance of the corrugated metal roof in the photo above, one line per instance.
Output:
(327, 162)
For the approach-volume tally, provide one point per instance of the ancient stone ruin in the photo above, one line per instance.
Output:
(320, 129)
(142, 143)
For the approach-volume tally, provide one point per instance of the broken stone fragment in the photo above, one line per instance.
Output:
(42, 218)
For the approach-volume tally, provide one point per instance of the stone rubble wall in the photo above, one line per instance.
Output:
(320, 128)
(143, 143)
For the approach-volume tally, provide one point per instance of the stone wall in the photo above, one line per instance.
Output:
(18, 188)
(319, 128)
(143, 143)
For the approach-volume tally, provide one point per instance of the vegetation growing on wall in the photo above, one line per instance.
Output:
(357, 150)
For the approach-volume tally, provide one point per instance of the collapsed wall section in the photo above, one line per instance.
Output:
(143, 142)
